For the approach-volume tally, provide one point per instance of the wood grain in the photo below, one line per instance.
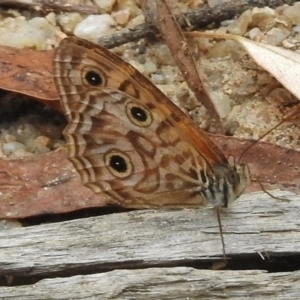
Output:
(149, 245)
(166, 283)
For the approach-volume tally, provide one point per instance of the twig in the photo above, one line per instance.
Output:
(178, 46)
(197, 19)
(53, 5)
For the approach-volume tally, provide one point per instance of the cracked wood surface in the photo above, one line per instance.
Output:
(255, 225)
(163, 283)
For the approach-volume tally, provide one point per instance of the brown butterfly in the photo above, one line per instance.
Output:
(130, 143)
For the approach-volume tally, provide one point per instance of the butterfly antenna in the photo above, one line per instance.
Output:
(285, 118)
(288, 117)
(272, 196)
(260, 138)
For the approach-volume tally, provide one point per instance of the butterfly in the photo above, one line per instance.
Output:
(130, 143)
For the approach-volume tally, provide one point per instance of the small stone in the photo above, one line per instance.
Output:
(26, 133)
(240, 26)
(275, 36)
(68, 21)
(131, 5)
(150, 67)
(293, 13)
(162, 55)
(122, 16)
(139, 19)
(95, 26)
(222, 103)
(263, 18)
(296, 29)
(290, 44)
(105, 6)
(226, 48)
(11, 147)
(20, 33)
(255, 34)
(20, 153)
(283, 20)
(226, 23)
(231, 127)
(159, 78)
(43, 141)
(51, 18)
(281, 95)
(213, 3)
(9, 138)
(40, 149)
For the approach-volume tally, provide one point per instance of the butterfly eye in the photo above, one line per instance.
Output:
(118, 163)
(138, 115)
(233, 177)
(93, 78)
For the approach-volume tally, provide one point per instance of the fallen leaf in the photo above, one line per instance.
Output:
(48, 184)
(42, 184)
(281, 63)
(269, 163)
(28, 72)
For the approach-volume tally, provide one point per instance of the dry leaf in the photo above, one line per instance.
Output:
(28, 72)
(42, 184)
(283, 64)
(48, 184)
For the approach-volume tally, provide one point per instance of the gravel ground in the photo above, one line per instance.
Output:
(249, 100)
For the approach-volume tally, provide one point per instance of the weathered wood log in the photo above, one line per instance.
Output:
(257, 229)
(163, 283)
(255, 223)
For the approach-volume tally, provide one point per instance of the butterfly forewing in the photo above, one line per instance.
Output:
(129, 141)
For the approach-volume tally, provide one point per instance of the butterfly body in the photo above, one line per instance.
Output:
(129, 142)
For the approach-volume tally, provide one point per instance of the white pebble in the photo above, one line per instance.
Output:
(293, 13)
(105, 6)
(159, 78)
(121, 16)
(20, 153)
(221, 102)
(20, 33)
(213, 3)
(240, 26)
(68, 21)
(12, 147)
(254, 33)
(150, 67)
(296, 29)
(275, 36)
(51, 18)
(95, 26)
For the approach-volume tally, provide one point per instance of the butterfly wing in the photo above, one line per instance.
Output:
(128, 141)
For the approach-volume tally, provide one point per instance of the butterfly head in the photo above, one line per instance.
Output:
(230, 182)
(238, 178)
